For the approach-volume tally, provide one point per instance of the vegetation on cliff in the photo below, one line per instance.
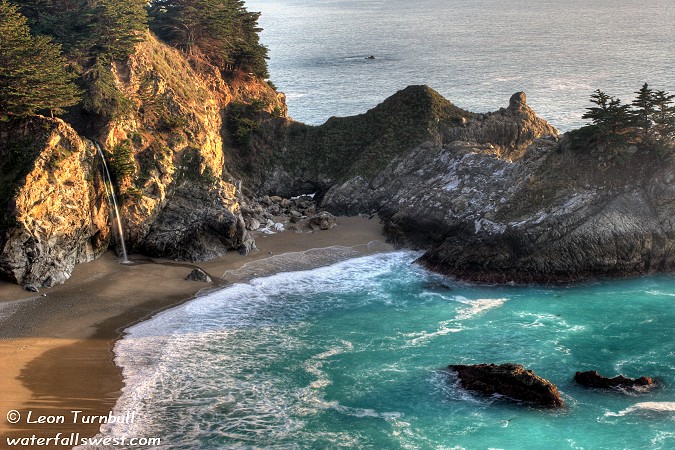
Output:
(648, 121)
(98, 35)
(222, 31)
(345, 146)
(33, 75)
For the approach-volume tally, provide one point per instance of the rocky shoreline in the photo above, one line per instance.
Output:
(499, 197)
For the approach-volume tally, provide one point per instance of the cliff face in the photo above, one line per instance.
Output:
(180, 200)
(508, 202)
(568, 218)
(167, 151)
(54, 210)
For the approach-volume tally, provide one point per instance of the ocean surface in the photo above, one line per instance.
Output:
(476, 53)
(353, 356)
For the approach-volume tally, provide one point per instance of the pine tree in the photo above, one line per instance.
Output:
(610, 115)
(33, 75)
(250, 55)
(60, 19)
(88, 28)
(116, 26)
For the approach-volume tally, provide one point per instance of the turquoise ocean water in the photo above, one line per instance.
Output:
(353, 356)
(474, 52)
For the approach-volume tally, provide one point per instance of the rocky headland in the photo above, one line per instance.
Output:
(201, 160)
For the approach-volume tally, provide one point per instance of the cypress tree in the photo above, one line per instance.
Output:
(116, 26)
(33, 75)
(610, 119)
(221, 31)
(644, 112)
(60, 19)
(664, 119)
(609, 115)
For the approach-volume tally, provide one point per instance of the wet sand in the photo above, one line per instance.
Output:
(56, 345)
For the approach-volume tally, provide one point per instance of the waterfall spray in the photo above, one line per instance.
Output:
(110, 192)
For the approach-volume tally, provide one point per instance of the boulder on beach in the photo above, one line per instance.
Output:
(323, 221)
(510, 380)
(198, 274)
(593, 379)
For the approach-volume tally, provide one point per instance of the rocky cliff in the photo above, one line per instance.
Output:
(499, 198)
(54, 210)
(494, 197)
(180, 199)
(167, 153)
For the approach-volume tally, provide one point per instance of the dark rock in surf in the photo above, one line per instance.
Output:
(593, 379)
(510, 380)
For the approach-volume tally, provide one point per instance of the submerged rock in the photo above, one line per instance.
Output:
(510, 380)
(593, 379)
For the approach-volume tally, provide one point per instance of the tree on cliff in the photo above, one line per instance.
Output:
(610, 118)
(222, 31)
(644, 112)
(116, 26)
(648, 121)
(33, 75)
(654, 116)
(88, 28)
(664, 118)
(94, 33)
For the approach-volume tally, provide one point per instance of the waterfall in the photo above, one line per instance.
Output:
(110, 192)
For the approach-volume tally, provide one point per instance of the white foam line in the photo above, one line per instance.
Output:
(479, 306)
(654, 407)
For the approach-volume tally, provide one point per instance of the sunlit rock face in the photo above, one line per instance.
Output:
(56, 214)
(168, 156)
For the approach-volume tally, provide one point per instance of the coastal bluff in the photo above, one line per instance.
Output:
(492, 197)
(498, 197)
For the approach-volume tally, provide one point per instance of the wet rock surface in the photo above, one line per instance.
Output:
(593, 379)
(510, 380)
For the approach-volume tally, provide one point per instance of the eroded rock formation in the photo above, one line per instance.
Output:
(53, 206)
(495, 197)
(510, 201)
(167, 154)
(510, 380)
(593, 379)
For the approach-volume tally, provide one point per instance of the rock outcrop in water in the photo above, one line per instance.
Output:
(510, 380)
(593, 379)
(499, 198)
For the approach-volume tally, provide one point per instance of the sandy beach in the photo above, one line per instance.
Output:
(56, 346)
